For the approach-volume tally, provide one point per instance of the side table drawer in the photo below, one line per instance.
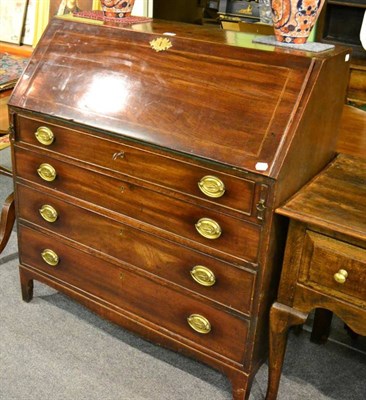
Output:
(335, 267)
(167, 309)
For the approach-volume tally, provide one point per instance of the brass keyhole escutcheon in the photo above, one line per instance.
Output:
(199, 323)
(50, 257)
(341, 276)
(118, 155)
(212, 186)
(48, 213)
(203, 275)
(44, 135)
(208, 228)
(47, 172)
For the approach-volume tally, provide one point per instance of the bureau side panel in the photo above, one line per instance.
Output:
(316, 133)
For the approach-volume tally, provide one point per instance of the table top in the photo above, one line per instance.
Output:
(335, 199)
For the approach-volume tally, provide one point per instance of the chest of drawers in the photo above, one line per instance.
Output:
(147, 166)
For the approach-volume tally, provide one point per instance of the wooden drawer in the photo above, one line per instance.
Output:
(232, 287)
(159, 304)
(163, 170)
(238, 238)
(334, 267)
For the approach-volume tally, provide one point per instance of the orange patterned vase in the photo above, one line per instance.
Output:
(117, 8)
(293, 20)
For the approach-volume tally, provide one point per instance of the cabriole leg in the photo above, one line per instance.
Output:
(281, 318)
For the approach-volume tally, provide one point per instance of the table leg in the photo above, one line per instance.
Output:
(26, 284)
(321, 325)
(281, 318)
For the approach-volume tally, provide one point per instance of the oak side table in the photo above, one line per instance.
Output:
(325, 258)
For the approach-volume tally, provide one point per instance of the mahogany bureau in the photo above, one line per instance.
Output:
(148, 161)
(325, 259)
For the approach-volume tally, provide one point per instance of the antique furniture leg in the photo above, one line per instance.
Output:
(26, 284)
(281, 318)
(240, 385)
(321, 326)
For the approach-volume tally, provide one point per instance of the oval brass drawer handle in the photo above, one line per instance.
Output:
(203, 275)
(212, 186)
(47, 172)
(48, 213)
(341, 276)
(50, 257)
(208, 228)
(199, 323)
(44, 135)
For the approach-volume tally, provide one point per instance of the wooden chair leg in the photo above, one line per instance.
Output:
(7, 221)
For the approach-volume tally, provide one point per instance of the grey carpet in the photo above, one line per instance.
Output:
(54, 348)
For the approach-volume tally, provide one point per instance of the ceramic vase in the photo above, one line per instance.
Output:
(293, 20)
(117, 8)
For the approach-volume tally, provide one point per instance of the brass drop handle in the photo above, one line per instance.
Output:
(199, 323)
(48, 213)
(208, 228)
(341, 276)
(44, 135)
(47, 172)
(50, 257)
(212, 186)
(203, 275)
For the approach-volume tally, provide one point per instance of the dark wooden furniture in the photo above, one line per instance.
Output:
(146, 180)
(191, 11)
(340, 23)
(235, 11)
(7, 216)
(325, 259)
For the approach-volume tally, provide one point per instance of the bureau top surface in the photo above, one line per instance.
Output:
(335, 199)
(208, 95)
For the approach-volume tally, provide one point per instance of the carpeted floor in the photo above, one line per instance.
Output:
(53, 349)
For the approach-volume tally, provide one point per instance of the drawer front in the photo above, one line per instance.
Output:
(216, 280)
(338, 268)
(232, 192)
(158, 304)
(238, 238)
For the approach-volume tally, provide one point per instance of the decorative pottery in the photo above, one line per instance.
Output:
(293, 20)
(117, 8)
